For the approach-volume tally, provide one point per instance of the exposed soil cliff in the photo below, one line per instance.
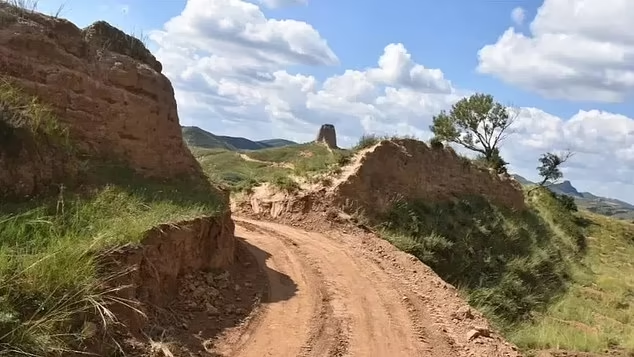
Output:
(408, 169)
(102, 84)
(153, 271)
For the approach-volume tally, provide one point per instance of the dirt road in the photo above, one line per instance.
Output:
(341, 295)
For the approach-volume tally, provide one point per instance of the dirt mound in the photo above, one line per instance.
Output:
(327, 135)
(409, 169)
(104, 86)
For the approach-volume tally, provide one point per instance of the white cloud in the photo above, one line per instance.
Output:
(517, 15)
(231, 71)
(282, 3)
(239, 29)
(578, 50)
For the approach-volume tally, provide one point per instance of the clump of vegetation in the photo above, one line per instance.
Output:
(367, 140)
(21, 112)
(436, 143)
(511, 264)
(286, 183)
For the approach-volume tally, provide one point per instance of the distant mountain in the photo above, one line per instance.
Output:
(195, 136)
(586, 200)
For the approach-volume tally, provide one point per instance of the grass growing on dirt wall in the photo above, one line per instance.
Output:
(50, 246)
(49, 251)
(548, 277)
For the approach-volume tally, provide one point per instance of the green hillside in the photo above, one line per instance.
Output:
(585, 200)
(197, 137)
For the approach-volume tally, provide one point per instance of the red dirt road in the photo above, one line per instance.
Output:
(335, 294)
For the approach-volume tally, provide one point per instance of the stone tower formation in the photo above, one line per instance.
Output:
(327, 135)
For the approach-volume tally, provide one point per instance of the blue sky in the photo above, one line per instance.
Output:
(569, 66)
(440, 34)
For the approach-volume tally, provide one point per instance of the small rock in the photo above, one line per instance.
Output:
(478, 332)
(236, 287)
(211, 310)
(484, 331)
(463, 313)
(223, 276)
(472, 334)
(184, 326)
(213, 292)
(209, 278)
(248, 285)
(404, 298)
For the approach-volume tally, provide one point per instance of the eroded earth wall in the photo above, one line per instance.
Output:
(408, 169)
(102, 84)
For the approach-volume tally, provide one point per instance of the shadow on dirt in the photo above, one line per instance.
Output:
(285, 286)
(210, 303)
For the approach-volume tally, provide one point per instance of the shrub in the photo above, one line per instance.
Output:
(366, 141)
(436, 143)
(286, 183)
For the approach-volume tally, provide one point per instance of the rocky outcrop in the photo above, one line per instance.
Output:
(105, 86)
(409, 169)
(327, 135)
(167, 253)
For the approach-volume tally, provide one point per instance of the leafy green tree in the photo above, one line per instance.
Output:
(478, 123)
(549, 169)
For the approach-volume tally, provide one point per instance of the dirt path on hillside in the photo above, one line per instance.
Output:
(287, 165)
(329, 295)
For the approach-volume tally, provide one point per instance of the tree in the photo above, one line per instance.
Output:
(478, 123)
(549, 169)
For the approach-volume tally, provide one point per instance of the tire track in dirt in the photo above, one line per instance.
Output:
(297, 323)
(371, 318)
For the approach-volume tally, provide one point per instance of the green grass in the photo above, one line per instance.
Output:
(597, 311)
(277, 165)
(21, 114)
(306, 159)
(49, 251)
(228, 168)
(510, 264)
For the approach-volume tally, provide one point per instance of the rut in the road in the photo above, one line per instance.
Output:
(348, 300)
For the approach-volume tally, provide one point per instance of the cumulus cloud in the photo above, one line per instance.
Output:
(239, 29)
(577, 50)
(282, 3)
(231, 69)
(517, 15)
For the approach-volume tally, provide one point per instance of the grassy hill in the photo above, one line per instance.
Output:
(242, 171)
(585, 200)
(197, 137)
